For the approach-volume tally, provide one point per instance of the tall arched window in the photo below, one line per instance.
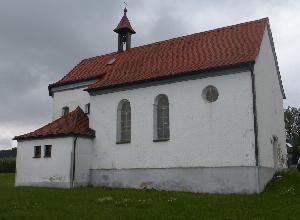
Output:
(161, 118)
(124, 122)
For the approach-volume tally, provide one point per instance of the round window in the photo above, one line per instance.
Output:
(210, 94)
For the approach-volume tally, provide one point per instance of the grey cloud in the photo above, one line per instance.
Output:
(5, 143)
(40, 41)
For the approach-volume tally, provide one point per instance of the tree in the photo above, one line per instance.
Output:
(292, 127)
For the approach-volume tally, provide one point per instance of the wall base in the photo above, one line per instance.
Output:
(198, 179)
(194, 179)
(45, 184)
(265, 175)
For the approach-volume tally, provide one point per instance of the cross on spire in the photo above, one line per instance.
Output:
(125, 9)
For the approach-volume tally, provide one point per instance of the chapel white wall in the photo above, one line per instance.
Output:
(84, 151)
(53, 171)
(201, 134)
(269, 103)
(71, 98)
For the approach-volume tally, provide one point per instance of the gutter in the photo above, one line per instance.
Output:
(73, 163)
(251, 68)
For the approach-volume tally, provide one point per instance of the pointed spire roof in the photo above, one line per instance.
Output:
(124, 25)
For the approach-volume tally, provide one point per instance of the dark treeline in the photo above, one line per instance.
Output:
(8, 153)
(292, 128)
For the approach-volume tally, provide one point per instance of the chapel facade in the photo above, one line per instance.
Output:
(199, 113)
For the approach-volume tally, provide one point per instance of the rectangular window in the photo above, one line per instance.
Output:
(87, 108)
(37, 151)
(65, 111)
(48, 150)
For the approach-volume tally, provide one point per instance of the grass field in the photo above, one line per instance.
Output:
(281, 200)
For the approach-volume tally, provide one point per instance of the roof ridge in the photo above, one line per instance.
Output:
(203, 32)
(183, 36)
(57, 120)
(229, 45)
(65, 125)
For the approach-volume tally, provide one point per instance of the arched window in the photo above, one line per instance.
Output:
(124, 122)
(161, 118)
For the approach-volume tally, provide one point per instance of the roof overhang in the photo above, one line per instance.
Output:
(276, 61)
(52, 88)
(217, 71)
(52, 137)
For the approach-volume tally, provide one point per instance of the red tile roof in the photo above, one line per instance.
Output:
(124, 24)
(226, 46)
(74, 123)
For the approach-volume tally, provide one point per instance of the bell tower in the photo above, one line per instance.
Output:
(124, 31)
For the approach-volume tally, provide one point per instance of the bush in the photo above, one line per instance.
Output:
(8, 165)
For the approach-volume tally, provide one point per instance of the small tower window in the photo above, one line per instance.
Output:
(210, 94)
(87, 108)
(65, 110)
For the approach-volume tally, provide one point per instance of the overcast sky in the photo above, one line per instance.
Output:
(40, 41)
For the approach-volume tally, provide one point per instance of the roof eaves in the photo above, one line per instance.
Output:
(58, 84)
(91, 134)
(187, 74)
(276, 60)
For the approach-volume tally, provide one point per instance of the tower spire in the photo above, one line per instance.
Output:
(124, 31)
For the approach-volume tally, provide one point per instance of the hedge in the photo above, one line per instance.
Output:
(8, 165)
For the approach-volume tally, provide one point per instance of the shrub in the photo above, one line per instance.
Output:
(8, 165)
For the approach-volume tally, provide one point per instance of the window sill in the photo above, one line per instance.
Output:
(47, 156)
(161, 140)
(123, 142)
(36, 157)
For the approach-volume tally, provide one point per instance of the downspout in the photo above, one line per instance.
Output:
(251, 67)
(73, 162)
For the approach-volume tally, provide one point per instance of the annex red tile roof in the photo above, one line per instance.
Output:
(74, 123)
(124, 24)
(226, 46)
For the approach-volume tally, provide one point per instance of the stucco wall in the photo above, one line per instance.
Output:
(195, 179)
(84, 150)
(71, 98)
(269, 103)
(54, 171)
(201, 134)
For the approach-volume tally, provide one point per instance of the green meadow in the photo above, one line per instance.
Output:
(281, 200)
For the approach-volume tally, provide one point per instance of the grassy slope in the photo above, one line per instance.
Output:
(280, 201)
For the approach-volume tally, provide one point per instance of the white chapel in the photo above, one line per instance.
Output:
(199, 113)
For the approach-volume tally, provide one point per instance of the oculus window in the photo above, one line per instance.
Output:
(210, 94)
